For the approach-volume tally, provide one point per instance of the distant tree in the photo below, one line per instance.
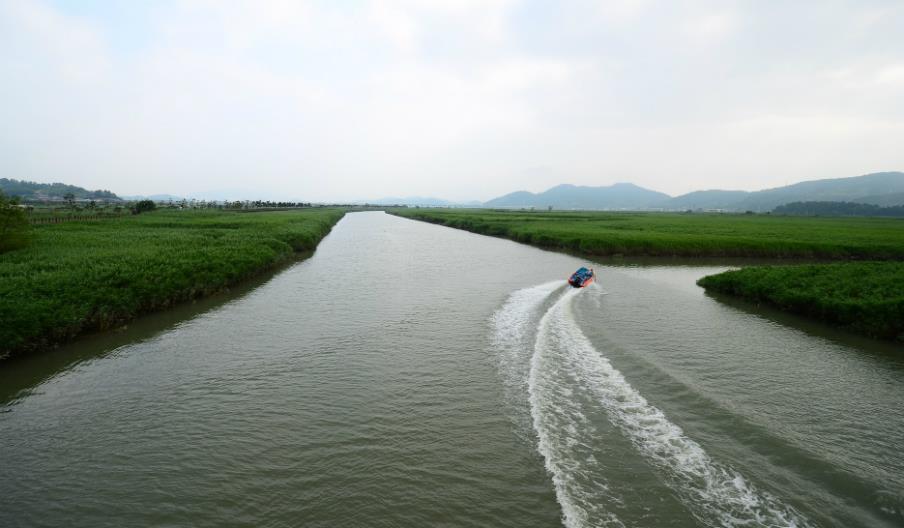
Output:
(70, 199)
(14, 228)
(143, 206)
(838, 209)
(102, 194)
(41, 191)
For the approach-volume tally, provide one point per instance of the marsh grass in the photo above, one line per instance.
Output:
(82, 276)
(683, 235)
(866, 297)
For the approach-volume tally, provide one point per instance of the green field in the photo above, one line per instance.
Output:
(866, 297)
(76, 277)
(685, 235)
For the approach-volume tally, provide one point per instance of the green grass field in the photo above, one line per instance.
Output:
(866, 297)
(82, 276)
(685, 235)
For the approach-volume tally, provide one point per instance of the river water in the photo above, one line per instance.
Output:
(413, 375)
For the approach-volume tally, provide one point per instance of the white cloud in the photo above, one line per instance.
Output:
(618, 12)
(397, 24)
(70, 45)
(321, 100)
(710, 27)
(892, 74)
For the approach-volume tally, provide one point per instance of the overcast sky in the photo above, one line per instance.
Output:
(459, 99)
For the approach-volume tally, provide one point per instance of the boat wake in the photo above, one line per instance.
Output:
(555, 380)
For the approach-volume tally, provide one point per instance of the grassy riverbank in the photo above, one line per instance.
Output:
(82, 276)
(684, 235)
(866, 297)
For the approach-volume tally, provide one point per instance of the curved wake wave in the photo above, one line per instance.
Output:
(513, 338)
(558, 370)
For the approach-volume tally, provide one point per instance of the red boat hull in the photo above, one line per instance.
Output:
(584, 285)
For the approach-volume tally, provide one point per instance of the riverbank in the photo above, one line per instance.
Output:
(865, 297)
(80, 277)
(682, 235)
(452, 353)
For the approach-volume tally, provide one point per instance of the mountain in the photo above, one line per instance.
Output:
(883, 200)
(617, 196)
(28, 190)
(712, 199)
(515, 199)
(830, 190)
(880, 188)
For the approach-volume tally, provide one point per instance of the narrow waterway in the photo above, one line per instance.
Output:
(414, 375)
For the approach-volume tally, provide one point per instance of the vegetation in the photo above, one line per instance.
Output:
(866, 297)
(55, 212)
(83, 276)
(27, 190)
(838, 209)
(881, 188)
(689, 235)
(143, 206)
(14, 228)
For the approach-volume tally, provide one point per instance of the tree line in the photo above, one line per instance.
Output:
(29, 190)
(838, 209)
(14, 227)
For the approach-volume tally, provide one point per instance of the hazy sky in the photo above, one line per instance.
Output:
(459, 99)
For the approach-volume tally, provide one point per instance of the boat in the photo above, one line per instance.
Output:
(581, 278)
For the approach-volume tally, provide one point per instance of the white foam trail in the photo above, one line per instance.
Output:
(565, 439)
(514, 343)
(554, 418)
(715, 494)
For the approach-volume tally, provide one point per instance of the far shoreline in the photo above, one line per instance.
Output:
(98, 276)
(878, 315)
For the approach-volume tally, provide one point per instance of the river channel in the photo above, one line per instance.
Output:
(412, 375)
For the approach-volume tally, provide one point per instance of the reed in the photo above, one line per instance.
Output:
(866, 297)
(683, 235)
(77, 277)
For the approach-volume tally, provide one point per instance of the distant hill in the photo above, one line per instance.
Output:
(852, 189)
(515, 199)
(712, 199)
(617, 196)
(51, 191)
(883, 200)
(881, 188)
